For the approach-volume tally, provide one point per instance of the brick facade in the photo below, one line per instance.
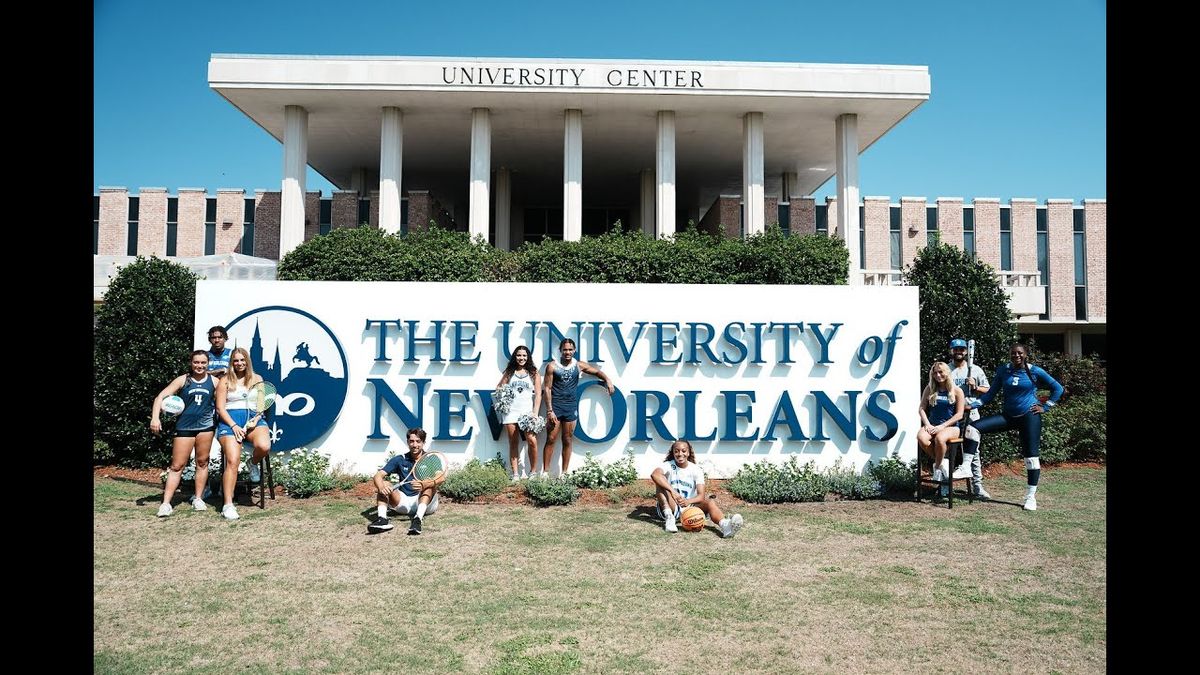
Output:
(987, 231)
(1061, 250)
(189, 237)
(912, 228)
(950, 220)
(114, 207)
(1095, 238)
(231, 209)
(803, 214)
(1024, 235)
(877, 225)
(345, 209)
(152, 222)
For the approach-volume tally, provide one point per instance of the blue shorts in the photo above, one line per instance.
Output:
(239, 417)
(567, 413)
(192, 433)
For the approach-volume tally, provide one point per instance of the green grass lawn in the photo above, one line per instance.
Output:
(878, 586)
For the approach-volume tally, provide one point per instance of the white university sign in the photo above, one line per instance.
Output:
(743, 372)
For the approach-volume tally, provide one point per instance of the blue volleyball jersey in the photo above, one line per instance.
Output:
(1020, 389)
(199, 406)
(942, 409)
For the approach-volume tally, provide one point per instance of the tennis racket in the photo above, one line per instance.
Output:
(260, 399)
(431, 466)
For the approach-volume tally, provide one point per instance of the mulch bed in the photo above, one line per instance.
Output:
(513, 495)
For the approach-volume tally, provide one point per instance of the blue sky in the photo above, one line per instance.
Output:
(1017, 110)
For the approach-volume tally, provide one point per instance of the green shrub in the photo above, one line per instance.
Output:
(850, 484)
(1078, 376)
(436, 254)
(893, 474)
(960, 296)
(303, 472)
(768, 483)
(550, 491)
(1073, 430)
(475, 480)
(141, 343)
(101, 453)
(369, 254)
(596, 476)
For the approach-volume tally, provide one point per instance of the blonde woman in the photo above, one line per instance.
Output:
(233, 411)
(942, 406)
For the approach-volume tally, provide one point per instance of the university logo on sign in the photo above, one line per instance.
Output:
(296, 352)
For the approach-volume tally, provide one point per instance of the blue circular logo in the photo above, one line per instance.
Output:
(297, 353)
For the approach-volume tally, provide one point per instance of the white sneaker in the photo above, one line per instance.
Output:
(165, 510)
(982, 494)
(229, 512)
(1030, 503)
(669, 526)
(963, 470)
(255, 473)
(735, 523)
(725, 527)
(937, 475)
(524, 475)
(198, 504)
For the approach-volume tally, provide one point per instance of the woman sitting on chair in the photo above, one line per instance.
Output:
(233, 412)
(941, 409)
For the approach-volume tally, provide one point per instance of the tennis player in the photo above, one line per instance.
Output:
(418, 498)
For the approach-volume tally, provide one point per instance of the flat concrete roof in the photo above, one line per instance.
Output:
(344, 96)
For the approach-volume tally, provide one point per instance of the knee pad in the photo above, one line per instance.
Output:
(972, 434)
(1032, 463)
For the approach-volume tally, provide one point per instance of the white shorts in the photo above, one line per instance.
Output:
(408, 504)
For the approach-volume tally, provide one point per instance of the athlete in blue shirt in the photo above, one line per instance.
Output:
(417, 498)
(561, 385)
(941, 408)
(1022, 410)
(193, 430)
(218, 354)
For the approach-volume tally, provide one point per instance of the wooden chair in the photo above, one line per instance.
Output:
(953, 452)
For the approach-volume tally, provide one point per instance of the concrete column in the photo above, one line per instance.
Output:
(295, 162)
(647, 211)
(573, 175)
(358, 181)
(752, 173)
(664, 169)
(391, 161)
(846, 141)
(503, 210)
(481, 172)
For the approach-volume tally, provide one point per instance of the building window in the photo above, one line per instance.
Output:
(597, 221)
(1080, 266)
(132, 231)
(1005, 239)
(364, 212)
(172, 225)
(325, 221)
(894, 233)
(210, 226)
(932, 235)
(404, 217)
(247, 244)
(862, 237)
(95, 224)
(785, 217)
(543, 223)
(969, 230)
(821, 213)
(1043, 258)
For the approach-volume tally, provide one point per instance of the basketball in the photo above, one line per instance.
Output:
(172, 405)
(692, 519)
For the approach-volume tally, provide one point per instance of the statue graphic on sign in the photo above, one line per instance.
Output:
(303, 355)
